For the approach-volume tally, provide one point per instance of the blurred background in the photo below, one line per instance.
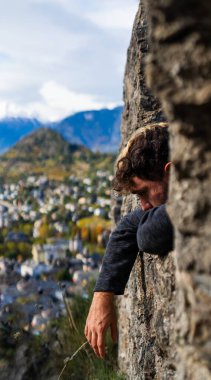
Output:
(61, 83)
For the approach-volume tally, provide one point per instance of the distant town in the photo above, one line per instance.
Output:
(52, 239)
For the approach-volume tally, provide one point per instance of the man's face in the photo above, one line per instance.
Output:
(150, 193)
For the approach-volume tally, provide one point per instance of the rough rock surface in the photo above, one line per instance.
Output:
(147, 309)
(166, 333)
(179, 71)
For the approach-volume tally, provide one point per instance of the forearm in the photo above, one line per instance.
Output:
(150, 231)
(114, 274)
(120, 255)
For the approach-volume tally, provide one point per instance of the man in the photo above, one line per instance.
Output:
(142, 169)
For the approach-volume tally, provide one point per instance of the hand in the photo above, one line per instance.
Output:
(101, 316)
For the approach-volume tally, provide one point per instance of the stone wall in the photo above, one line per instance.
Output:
(165, 328)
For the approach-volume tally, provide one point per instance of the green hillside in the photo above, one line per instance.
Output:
(46, 152)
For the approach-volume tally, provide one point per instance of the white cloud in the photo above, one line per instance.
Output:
(60, 56)
(59, 97)
(56, 102)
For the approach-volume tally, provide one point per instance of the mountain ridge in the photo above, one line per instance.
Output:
(13, 129)
(97, 130)
(46, 152)
(102, 128)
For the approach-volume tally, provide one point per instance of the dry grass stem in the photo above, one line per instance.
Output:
(67, 360)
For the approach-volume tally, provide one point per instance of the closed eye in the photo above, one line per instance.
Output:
(141, 193)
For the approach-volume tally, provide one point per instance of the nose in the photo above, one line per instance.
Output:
(145, 205)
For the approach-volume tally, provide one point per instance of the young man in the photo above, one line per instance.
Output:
(142, 169)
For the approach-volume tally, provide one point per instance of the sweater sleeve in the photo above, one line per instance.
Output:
(150, 231)
(155, 231)
(121, 252)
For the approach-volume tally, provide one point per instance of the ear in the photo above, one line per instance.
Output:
(166, 171)
(167, 167)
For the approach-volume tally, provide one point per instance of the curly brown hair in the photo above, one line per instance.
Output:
(145, 156)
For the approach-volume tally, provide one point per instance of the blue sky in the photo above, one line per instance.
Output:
(62, 56)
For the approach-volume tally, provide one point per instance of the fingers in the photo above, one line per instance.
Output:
(101, 344)
(96, 340)
(94, 343)
(101, 316)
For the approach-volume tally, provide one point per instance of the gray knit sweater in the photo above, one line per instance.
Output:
(147, 231)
